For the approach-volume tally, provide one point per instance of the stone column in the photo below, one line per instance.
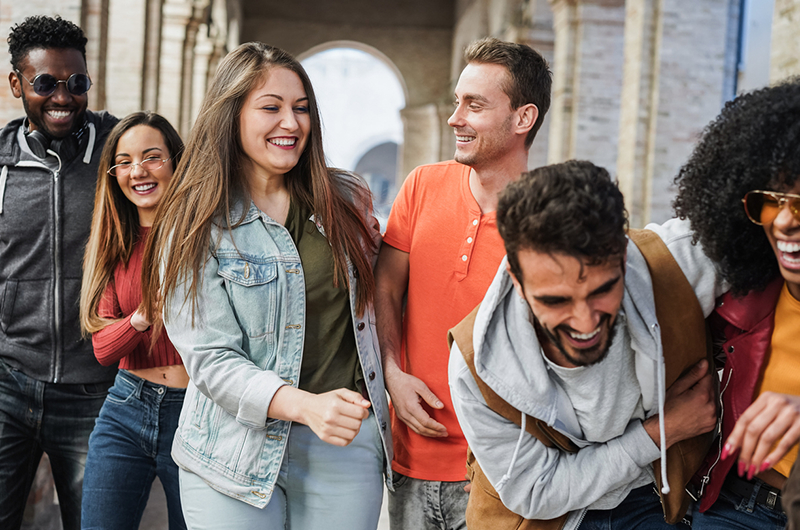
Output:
(94, 22)
(536, 30)
(784, 60)
(674, 84)
(180, 19)
(127, 22)
(421, 138)
(587, 80)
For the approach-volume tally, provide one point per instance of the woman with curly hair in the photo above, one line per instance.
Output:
(741, 192)
(263, 256)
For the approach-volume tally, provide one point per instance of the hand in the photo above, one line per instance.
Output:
(335, 416)
(770, 418)
(139, 322)
(407, 392)
(689, 408)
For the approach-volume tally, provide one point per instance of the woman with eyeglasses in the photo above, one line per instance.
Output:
(263, 256)
(741, 192)
(132, 438)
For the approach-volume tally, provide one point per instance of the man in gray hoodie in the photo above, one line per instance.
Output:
(51, 386)
(567, 334)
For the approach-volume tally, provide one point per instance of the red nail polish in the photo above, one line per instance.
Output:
(725, 451)
(765, 466)
(751, 470)
(742, 468)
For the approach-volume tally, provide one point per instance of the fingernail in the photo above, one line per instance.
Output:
(725, 451)
(742, 467)
(765, 466)
(751, 470)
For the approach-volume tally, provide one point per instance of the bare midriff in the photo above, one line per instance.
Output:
(172, 376)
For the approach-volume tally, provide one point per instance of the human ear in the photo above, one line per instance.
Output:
(526, 117)
(517, 285)
(13, 82)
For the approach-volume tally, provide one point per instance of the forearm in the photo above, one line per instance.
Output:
(544, 482)
(115, 341)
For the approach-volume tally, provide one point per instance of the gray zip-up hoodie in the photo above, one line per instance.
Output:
(544, 483)
(45, 217)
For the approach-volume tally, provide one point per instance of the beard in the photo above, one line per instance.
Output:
(36, 118)
(585, 356)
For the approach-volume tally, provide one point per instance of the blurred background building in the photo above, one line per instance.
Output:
(635, 81)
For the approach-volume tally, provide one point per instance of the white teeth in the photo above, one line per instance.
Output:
(585, 336)
(58, 114)
(144, 187)
(282, 141)
(465, 138)
(788, 246)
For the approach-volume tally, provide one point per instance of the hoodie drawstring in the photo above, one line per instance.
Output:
(87, 157)
(662, 436)
(513, 456)
(3, 178)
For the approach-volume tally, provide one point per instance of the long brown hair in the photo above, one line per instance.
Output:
(210, 180)
(115, 219)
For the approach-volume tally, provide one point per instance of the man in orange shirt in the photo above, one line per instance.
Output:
(441, 250)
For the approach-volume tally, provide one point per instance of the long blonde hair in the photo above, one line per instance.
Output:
(210, 180)
(115, 220)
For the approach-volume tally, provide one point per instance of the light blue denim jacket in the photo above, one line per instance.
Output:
(246, 342)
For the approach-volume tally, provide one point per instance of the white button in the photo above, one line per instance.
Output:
(475, 222)
(464, 257)
(469, 240)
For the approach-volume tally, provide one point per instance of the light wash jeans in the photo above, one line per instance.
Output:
(320, 486)
(427, 504)
(129, 447)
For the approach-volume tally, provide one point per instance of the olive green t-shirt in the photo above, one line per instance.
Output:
(330, 357)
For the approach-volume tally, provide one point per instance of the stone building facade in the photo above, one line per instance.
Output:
(635, 81)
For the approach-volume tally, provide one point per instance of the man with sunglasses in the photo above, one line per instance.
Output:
(51, 386)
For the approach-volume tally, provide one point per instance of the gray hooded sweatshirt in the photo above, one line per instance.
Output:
(538, 482)
(45, 217)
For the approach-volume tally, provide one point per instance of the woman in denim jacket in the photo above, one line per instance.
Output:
(263, 257)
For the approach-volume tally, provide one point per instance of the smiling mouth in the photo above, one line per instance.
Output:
(585, 336)
(283, 142)
(144, 187)
(789, 253)
(59, 114)
(460, 138)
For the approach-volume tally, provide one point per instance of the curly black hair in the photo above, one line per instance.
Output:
(572, 208)
(754, 144)
(43, 32)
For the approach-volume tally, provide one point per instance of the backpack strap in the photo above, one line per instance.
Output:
(685, 342)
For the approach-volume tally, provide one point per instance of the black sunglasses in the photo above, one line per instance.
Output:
(46, 84)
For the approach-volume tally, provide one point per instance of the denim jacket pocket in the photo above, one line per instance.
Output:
(251, 283)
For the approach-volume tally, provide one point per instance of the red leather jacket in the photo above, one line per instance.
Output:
(746, 325)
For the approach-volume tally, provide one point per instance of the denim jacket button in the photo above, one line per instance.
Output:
(360, 326)
(371, 376)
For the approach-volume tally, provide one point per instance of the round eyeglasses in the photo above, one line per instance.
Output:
(762, 207)
(148, 164)
(46, 84)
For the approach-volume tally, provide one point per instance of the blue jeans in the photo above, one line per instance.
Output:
(427, 504)
(38, 417)
(732, 511)
(320, 486)
(641, 510)
(129, 447)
